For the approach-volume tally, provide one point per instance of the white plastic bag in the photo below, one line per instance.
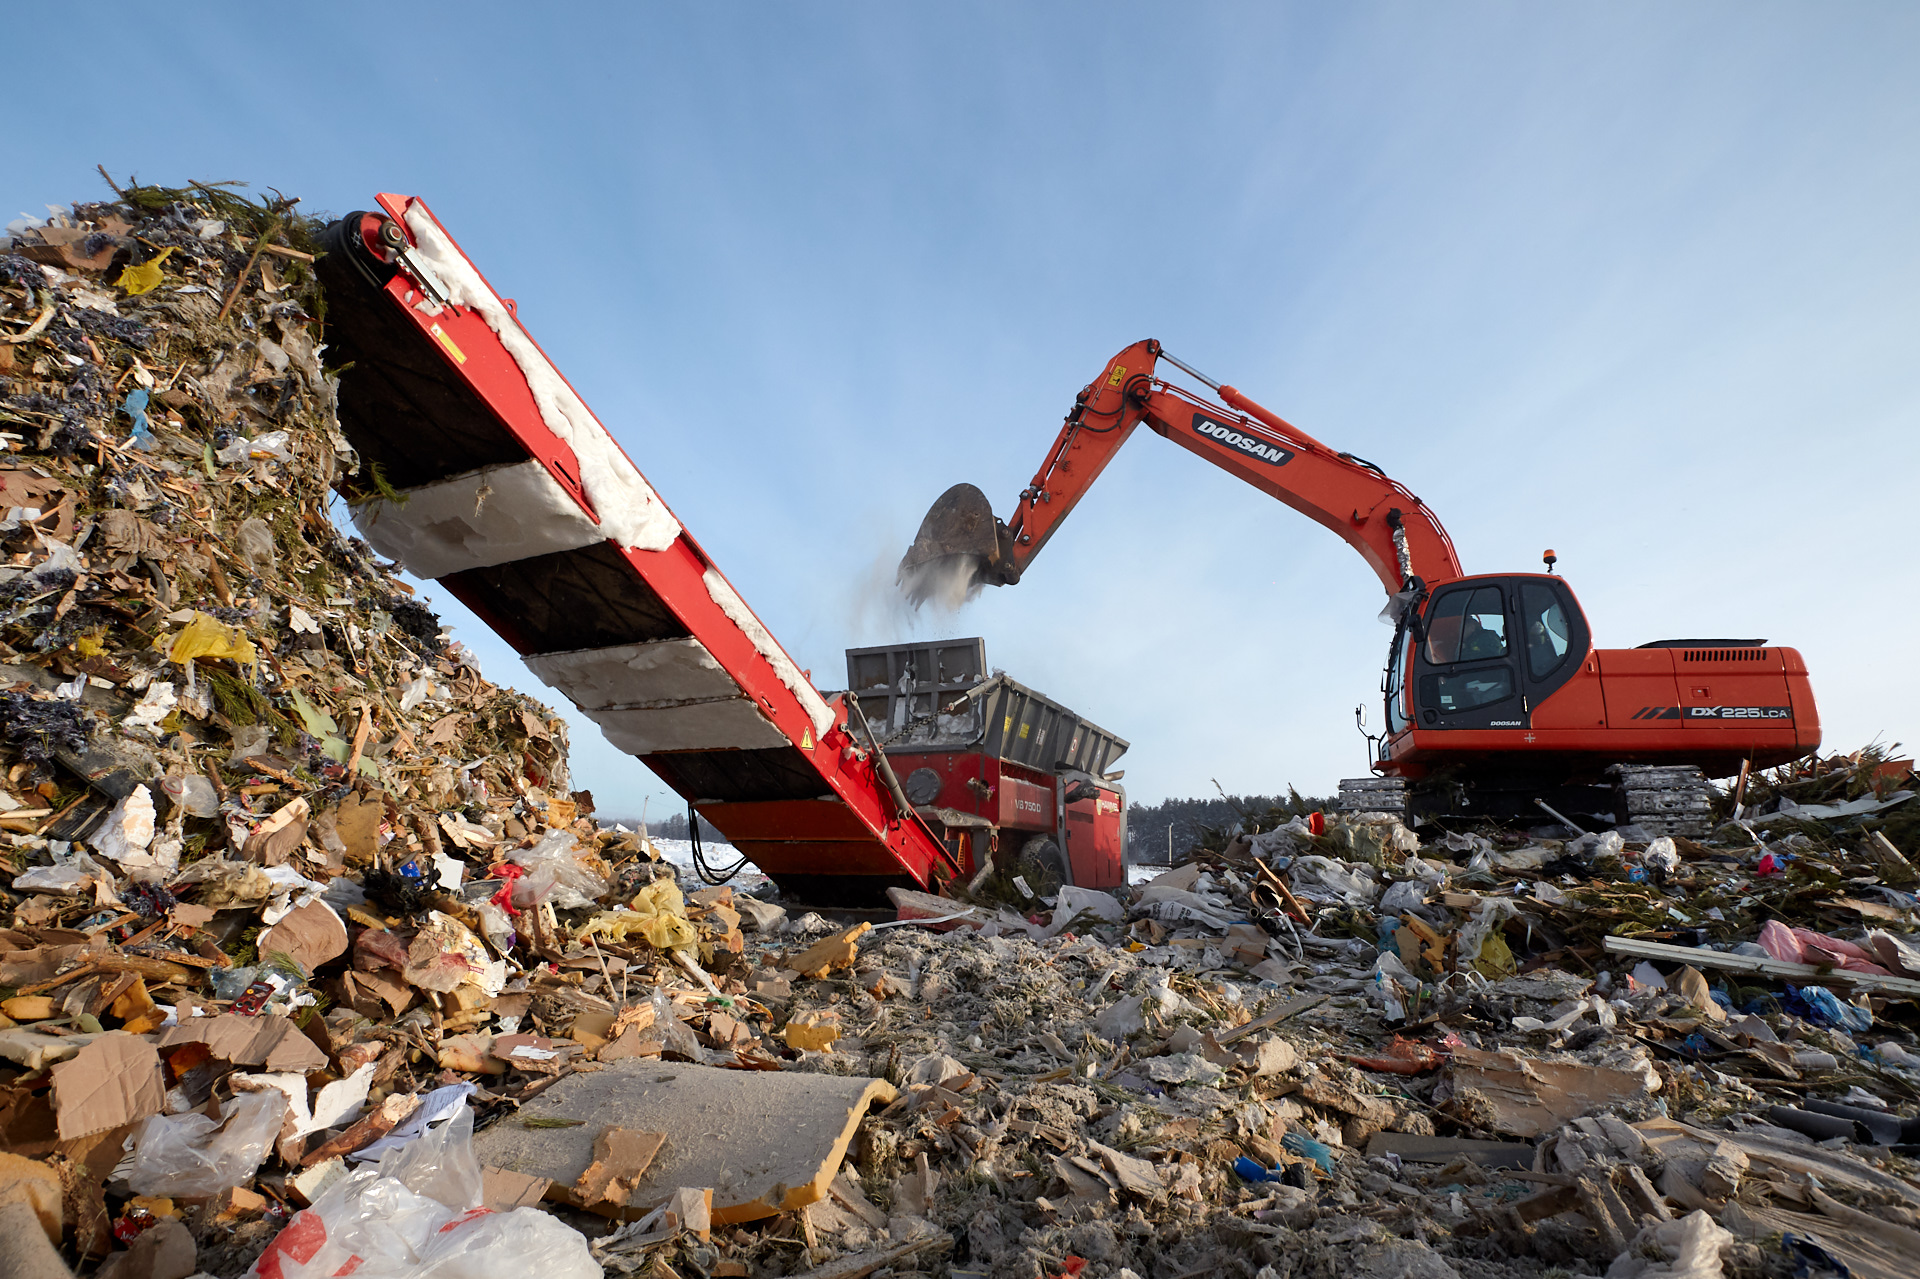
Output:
(418, 1216)
(1353, 883)
(1400, 898)
(1662, 856)
(555, 873)
(193, 1156)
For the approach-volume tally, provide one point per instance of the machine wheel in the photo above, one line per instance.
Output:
(1041, 865)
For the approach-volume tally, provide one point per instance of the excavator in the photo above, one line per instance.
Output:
(1497, 702)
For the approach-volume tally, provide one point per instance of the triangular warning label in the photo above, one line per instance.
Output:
(806, 739)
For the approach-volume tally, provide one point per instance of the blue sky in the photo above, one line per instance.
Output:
(1637, 282)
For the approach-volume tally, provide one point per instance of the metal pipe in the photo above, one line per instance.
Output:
(1577, 830)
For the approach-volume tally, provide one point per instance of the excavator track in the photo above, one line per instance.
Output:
(1374, 795)
(1663, 799)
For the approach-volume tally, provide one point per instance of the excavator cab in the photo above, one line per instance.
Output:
(1482, 653)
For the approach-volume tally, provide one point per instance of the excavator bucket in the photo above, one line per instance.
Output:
(956, 552)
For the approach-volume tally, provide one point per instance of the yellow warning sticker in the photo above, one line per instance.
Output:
(806, 739)
(459, 356)
(1023, 731)
(1117, 376)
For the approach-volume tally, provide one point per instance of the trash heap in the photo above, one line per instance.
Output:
(314, 963)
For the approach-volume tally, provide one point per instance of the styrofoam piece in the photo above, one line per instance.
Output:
(631, 513)
(662, 671)
(736, 609)
(733, 723)
(491, 516)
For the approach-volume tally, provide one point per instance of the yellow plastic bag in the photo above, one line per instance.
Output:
(657, 913)
(661, 897)
(146, 277)
(209, 637)
(1496, 957)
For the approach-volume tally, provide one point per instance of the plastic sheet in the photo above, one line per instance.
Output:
(1829, 1008)
(205, 636)
(194, 1156)
(1355, 885)
(658, 913)
(556, 873)
(418, 1215)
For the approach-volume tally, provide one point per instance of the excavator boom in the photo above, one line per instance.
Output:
(960, 543)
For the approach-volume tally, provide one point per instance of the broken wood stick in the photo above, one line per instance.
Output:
(1271, 1018)
(863, 1264)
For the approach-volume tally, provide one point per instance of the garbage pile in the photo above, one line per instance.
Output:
(314, 963)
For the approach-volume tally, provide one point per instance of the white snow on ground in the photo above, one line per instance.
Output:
(678, 853)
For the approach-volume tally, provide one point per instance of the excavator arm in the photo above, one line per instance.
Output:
(1393, 531)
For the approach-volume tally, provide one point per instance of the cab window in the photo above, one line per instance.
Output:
(1467, 626)
(1397, 683)
(1545, 624)
(1466, 690)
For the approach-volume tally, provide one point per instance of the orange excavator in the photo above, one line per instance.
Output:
(1497, 702)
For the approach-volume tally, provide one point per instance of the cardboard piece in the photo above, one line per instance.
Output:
(765, 1141)
(270, 1042)
(311, 935)
(503, 1191)
(1531, 1096)
(358, 824)
(829, 953)
(114, 1080)
(621, 1157)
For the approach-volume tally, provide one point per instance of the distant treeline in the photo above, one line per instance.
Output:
(674, 827)
(1188, 820)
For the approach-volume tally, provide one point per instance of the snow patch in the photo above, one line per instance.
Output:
(631, 513)
(663, 671)
(491, 516)
(731, 723)
(736, 608)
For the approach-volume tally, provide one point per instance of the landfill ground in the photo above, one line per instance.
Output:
(314, 962)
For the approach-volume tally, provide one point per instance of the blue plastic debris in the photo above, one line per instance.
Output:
(1829, 1009)
(135, 407)
(1251, 1170)
(1295, 1143)
(1811, 1259)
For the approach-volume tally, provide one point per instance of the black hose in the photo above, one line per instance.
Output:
(700, 867)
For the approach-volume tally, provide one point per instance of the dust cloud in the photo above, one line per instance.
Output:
(886, 604)
(947, 582)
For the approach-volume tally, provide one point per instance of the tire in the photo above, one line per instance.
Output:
(1041, 865)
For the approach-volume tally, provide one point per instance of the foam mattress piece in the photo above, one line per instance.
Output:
(660, 672)
(730, 724)
(765, 1142)
(495, 515)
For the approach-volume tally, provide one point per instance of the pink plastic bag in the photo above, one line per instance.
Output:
(1804, 946)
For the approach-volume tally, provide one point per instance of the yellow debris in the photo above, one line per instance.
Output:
(206, 636)
(146, 277)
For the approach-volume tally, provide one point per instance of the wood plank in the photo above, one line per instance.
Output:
(1765, 965)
